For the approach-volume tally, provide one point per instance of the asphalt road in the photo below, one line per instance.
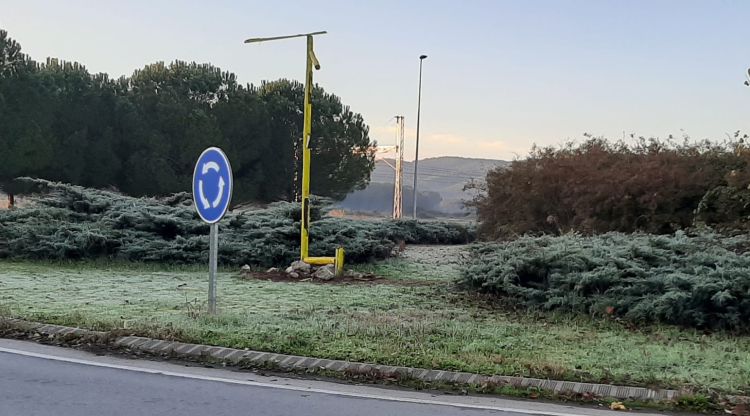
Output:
(44, 380)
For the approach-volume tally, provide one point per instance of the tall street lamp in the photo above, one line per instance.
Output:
(416, 152)
(311, 61)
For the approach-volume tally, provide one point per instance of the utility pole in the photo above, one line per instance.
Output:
(398, 182)
(416, 152)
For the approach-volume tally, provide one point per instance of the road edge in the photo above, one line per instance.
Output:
(418, 377)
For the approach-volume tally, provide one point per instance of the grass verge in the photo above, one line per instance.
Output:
(430, 326)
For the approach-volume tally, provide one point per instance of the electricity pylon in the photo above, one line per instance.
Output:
(399, 168)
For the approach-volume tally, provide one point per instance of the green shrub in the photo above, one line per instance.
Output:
(71, 222)
(726, 208)
(597, 186)
(700, 281)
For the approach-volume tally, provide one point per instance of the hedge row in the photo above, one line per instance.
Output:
(597, 186)
(71, 222)
(700, 281)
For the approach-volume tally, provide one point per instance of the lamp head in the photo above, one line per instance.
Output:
(422, 57)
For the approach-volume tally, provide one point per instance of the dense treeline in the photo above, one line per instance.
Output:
(141, 134)
(597, 186)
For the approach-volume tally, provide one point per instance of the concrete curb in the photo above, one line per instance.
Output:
(291, 362)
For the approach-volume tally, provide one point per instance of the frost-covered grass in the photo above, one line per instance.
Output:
(421, 262)
(419, 325)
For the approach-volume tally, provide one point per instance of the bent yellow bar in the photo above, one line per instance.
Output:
(319, 261)
(337, 261)
(311, 62)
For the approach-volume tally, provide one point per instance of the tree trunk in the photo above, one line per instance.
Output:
(11, 200)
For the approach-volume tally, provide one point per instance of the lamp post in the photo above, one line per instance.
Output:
(416, 152)
(311, 61)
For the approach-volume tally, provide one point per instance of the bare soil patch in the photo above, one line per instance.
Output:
(368, 279)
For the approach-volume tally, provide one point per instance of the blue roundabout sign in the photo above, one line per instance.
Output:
(212, 185)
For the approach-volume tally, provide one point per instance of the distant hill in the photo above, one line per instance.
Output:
(441, 183)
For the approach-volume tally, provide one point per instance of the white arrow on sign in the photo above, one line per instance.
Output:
(204, 201)
(221, 193)
(202, 196)
(210, 165)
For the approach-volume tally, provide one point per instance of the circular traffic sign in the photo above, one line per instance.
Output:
(212, 185)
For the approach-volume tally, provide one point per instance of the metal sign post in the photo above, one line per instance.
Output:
(212, 192)
(213, 242)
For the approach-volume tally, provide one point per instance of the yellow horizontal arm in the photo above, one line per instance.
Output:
(319, 260)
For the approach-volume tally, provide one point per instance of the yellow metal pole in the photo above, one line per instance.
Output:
(339, 262)
(312, 62)
(306, 132)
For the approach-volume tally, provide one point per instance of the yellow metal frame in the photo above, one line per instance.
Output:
(306, 133)
(311, 61)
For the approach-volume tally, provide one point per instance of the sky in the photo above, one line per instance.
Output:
(499, 76)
